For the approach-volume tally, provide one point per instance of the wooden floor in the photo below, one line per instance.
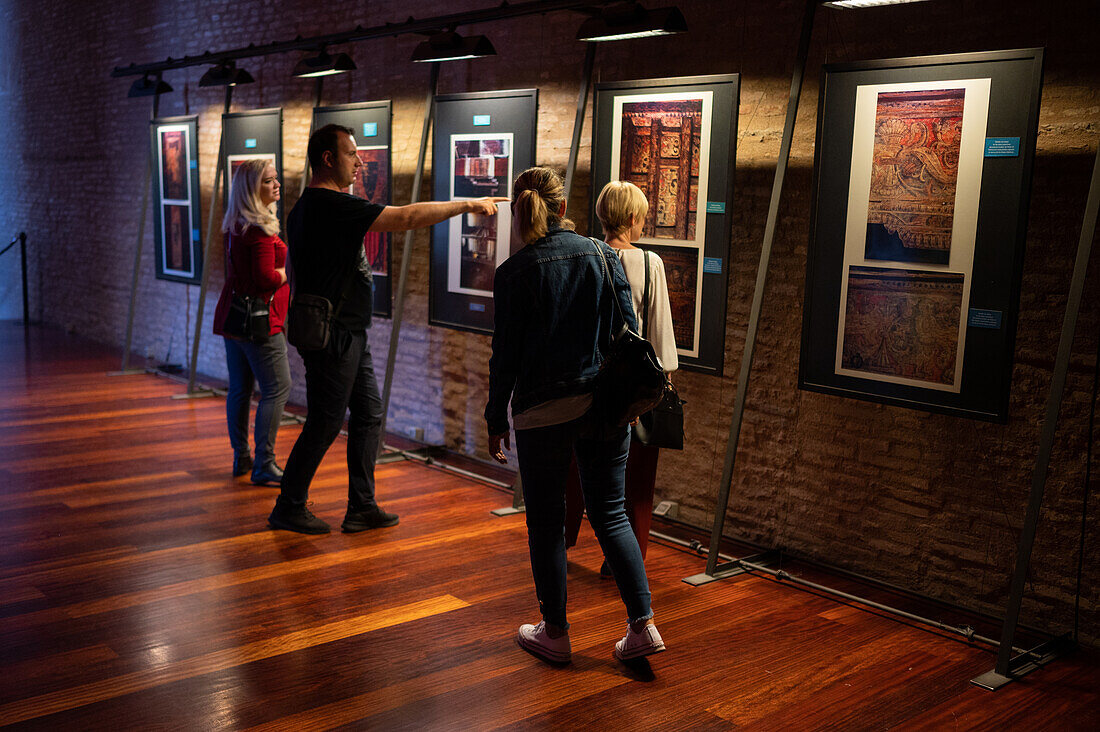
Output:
(140, 588)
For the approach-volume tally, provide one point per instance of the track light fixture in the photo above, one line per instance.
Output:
(631, 20)
(148, 86)
(225, 73)
(323, 64)
(860, 4)
(450, 46)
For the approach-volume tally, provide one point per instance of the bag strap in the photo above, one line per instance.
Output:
(645, 296)
(607, 278)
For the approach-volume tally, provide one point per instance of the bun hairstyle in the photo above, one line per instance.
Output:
(245, 208)
(537, 197)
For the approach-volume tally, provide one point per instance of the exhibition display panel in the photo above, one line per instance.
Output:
(481, 142)
(254, 134)
(371, 123)
(675, 139)
(921, 186)
(176, 207)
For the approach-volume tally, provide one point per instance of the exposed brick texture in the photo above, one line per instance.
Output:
(926, 501)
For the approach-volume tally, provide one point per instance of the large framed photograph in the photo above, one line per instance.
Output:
(371, 123)
(482, 141)
(921, 185)
(675, 139)
(254, 134)
(176, 209)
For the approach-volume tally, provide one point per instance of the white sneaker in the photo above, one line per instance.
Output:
(636, 645)
(534, 639)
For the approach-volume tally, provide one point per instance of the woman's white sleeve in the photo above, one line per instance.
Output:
(660, 316)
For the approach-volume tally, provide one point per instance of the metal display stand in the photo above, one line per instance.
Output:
(193, 391)
(125, 369)
(1008, 667)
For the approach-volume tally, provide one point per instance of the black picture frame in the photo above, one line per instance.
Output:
(460, 286)
(177, 209)
(253, 134)
(893, 305)
(372, 123)
(697, 260)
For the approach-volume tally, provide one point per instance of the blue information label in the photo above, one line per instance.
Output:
(194, 164)
(482, 120)
(1002, 147)
(712, 265)
(250, 142)
(477, 307)
(370, 129)
(984, 318)
(716, 206)
(194, 234)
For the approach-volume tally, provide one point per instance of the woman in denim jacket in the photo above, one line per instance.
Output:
(554, 316)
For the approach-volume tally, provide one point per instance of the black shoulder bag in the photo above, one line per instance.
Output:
(662, 426)
(310, 317)
(630, 381)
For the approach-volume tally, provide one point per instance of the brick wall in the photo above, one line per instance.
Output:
(926, 501)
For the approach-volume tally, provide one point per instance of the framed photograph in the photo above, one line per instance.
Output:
(176, 209)
(675, 139)
(247, 135)
(482, 141)
(921, 184)
(371, 123)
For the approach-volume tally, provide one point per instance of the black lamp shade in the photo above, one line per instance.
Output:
(323, 64)
(616, 23)
(148, 86)
(225, 74)
(452, 47)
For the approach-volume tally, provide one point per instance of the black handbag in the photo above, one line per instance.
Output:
(248, 317)
(310, 317)
(662, 426)
(630, 381)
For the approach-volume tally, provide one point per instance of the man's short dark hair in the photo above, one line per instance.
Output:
(325, 140)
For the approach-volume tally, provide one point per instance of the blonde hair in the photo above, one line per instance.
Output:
(618, 201)
(537, 195)
(245, 208)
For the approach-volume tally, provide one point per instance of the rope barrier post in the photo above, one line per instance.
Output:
(193, 366)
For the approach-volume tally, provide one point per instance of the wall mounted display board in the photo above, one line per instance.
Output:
(675, 139)
(176, 208)
(370, 122)
(255, 134)
(481, 142)
(921, 185)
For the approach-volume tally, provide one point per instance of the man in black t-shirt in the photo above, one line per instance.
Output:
(325, 230)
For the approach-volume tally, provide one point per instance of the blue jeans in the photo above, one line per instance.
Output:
(544, 455)
(267, 363)
(339, 378)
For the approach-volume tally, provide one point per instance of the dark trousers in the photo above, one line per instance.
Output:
(338, 378)
(641, 479)
(266, 363)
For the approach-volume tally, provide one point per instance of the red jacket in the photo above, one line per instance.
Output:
(251, 261)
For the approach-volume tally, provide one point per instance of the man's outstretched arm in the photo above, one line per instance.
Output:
(419, 215)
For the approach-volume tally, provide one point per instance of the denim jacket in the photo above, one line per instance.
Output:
(554, 316)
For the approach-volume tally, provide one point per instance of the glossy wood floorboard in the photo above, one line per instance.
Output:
(140, 588)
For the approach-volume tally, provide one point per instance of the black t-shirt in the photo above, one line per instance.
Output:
(325, 231)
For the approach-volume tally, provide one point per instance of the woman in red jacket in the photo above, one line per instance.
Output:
(255, 266)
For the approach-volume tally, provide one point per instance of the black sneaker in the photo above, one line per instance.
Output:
(296, 519)
(368, 518)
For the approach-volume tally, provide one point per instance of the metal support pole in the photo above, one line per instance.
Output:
(193, 366)
(23, 260)
(137, 257)
(317, 89)
(578, 121)
(406, 253)
(761, 281)
(1006, 670)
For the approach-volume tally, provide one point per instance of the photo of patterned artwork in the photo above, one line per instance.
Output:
(177, 238)
(372, 183)
(659, 153)
(682, 274)
(481, 165)
(903, 324)
(174, 164)
(914, 173)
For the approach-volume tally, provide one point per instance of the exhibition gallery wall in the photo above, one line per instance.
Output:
(910, 465)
